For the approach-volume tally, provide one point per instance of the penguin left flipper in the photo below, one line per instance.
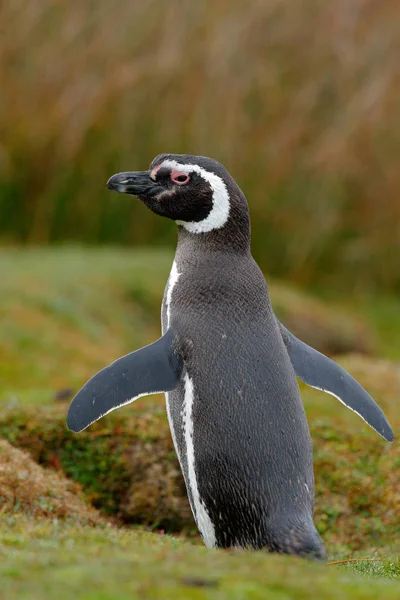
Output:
(150, 370)
(322, 373)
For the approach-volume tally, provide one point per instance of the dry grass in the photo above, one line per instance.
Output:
(26, 488)
(300, 101)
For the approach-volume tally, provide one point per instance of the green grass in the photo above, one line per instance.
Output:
(67, 312)
(41, 560)
(127, 467)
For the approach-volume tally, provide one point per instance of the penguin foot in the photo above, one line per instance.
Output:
(299, 538)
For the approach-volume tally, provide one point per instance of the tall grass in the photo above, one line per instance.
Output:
(300, 100)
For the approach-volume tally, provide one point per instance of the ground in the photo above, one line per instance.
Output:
(65, 313)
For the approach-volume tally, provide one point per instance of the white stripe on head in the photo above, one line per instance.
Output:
(221, 206)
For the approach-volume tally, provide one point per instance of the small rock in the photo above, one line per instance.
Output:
(64, 394)
(197, 582)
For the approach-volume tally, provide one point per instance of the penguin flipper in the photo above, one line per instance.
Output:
(150, 370)
(320, 372)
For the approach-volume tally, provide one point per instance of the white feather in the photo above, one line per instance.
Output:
(219, 213)
(172, 280)
(128, 401)
(343, 402)
(202, 517)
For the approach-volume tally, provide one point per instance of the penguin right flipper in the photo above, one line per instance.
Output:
(150, 370)
(322, 373)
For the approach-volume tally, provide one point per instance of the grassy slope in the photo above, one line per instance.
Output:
(107, 563)
(65, 314)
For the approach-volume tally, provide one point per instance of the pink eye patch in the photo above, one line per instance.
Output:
(154, 172)
(179, 178)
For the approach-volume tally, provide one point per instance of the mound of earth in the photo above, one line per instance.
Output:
(28, 488)
(128, 468)
(328, 328)
(381, 377)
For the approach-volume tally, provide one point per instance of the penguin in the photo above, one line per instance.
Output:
(228, 369)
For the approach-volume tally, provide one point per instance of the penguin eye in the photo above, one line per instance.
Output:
(179, 177)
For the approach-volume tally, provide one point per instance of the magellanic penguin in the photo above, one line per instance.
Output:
(228, 369)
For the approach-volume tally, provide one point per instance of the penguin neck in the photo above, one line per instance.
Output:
(233, 237)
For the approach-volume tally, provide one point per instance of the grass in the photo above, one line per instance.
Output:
(108, 563)
(66, 313)
(71, 312)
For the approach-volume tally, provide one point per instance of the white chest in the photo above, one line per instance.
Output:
(167, 302)
(199, 509)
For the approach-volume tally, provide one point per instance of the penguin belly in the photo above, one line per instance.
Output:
(239, 428)
(247, 464)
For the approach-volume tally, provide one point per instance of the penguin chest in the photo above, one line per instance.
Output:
(238, 425)
(179, 404)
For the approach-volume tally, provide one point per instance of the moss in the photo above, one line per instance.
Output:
(44, 559)
(127, 467)
(26, 488)
(357, 495)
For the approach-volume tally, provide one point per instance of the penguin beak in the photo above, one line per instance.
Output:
(138, 183)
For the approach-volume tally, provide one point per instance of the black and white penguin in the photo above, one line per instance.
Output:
(228, 369)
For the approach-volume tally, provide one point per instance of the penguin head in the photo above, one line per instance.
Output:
(195, 191)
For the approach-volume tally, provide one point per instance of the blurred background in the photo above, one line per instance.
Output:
(300, 101)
